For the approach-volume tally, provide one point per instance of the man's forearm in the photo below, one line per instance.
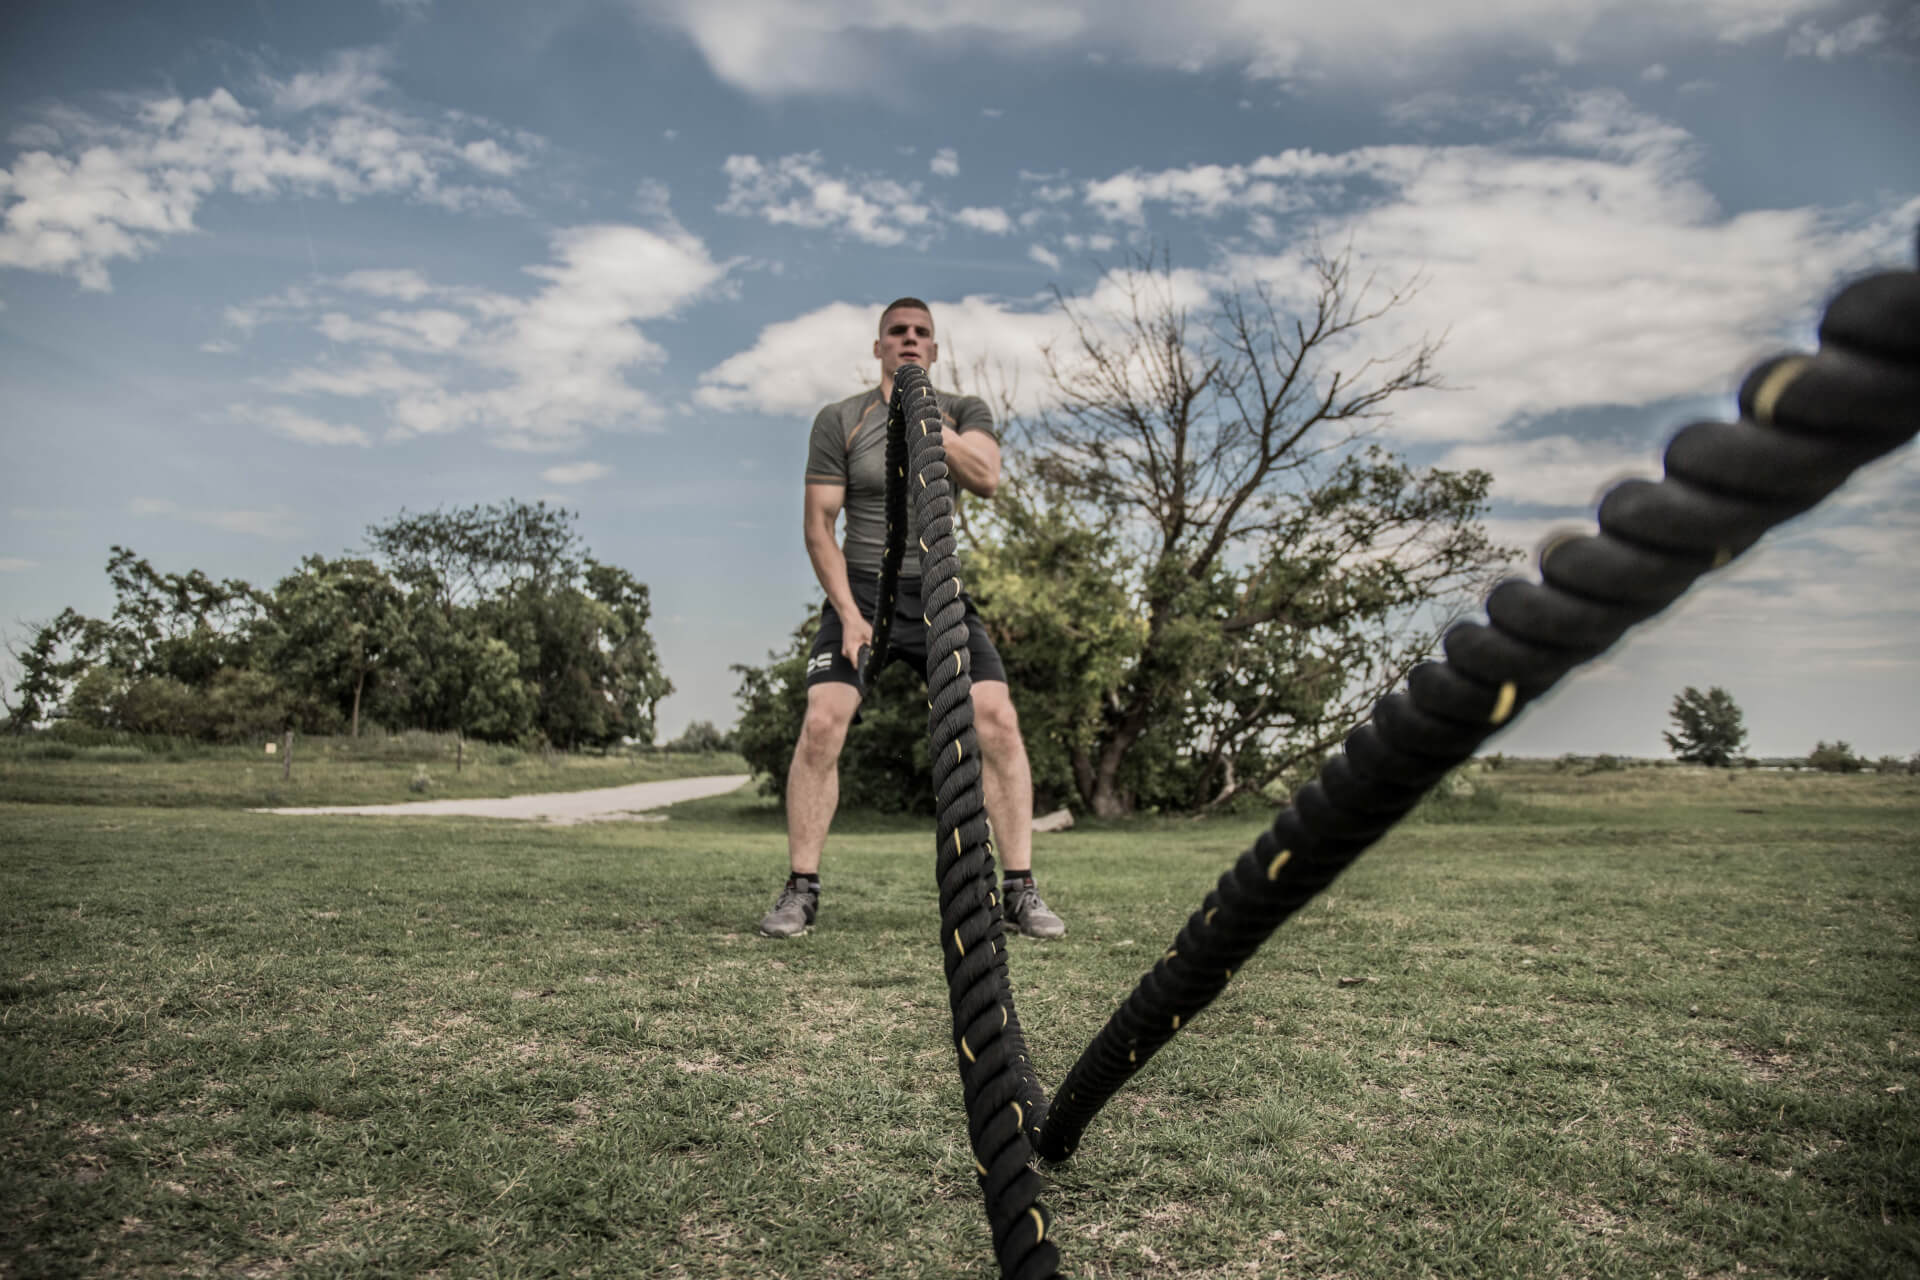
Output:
(830, 567)
(974, 459)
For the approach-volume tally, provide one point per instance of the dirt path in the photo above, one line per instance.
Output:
(630, 803)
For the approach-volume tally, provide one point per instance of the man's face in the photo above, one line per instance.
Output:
(906, 337)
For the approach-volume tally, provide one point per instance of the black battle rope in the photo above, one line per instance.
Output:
(1005, 1103)
(1807, 422)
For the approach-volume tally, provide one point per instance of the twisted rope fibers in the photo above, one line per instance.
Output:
(1005, 1103)
(1806, 423)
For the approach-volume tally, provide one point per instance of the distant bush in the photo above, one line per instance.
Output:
(1835, 757)
(421, 781)
(702, 736)
(508, 756)
(1457, 798)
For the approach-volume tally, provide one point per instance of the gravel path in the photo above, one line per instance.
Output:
(630, 803)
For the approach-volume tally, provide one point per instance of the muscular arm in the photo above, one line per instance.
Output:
(974, 459)
(819, 512)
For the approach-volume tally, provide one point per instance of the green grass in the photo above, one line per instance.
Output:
(1616, 1025)
(376, 769)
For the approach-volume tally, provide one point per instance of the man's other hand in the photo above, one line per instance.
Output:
(854, 632)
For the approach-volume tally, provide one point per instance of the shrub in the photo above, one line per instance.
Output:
(1835, 757)
(1457, 798)
(702, 736)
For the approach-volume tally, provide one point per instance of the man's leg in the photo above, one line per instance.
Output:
(813, 780)
(1008, 783)
(1005, 775)
(813, 793)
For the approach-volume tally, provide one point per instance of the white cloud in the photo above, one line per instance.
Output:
(1655, 73)
(1868, 31)
(773, 48)
(794, 190)
(95, 191)
(945, 163)
(14, 564)
(354, 77)
(276, 523)
(295, 425)
(535, 372)
(406, 285)
(1585, 265)
(380, 376)
(1044, 256)
(993, 221)
(575, 472)
(796, 366)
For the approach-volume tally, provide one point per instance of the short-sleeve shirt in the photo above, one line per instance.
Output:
(849, 447)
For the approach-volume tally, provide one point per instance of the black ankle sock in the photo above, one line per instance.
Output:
(810, 882)
(1016, 879)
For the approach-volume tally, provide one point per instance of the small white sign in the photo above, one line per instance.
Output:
(273, 748)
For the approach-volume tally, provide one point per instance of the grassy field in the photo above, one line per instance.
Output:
(375, 769)
(1637, 1023)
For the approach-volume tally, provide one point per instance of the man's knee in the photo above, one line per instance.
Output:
(994, 718)
(823, 730)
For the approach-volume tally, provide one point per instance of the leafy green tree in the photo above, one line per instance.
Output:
(1708, 727)
(181, 626)
(1280, 570)
(332, 627)
(59, 653)
(476, 553)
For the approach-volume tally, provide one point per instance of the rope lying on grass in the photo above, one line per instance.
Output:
(1807, 422)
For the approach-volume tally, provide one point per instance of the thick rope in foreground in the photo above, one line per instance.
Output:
(1005, 1104)
(1807, 422)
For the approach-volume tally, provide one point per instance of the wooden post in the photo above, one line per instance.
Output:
(286, 763)
(459, 752)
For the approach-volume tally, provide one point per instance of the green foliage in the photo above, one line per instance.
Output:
(1264, 570)
(486, 621)
(1707, 727)
(702, 735)
(1835, 757)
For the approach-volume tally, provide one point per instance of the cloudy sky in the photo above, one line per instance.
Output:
(271, 272)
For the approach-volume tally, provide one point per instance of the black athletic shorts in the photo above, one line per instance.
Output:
(908, 641)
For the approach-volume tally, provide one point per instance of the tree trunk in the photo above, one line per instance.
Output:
(358, 685)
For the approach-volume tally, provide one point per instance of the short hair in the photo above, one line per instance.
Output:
(898, 303)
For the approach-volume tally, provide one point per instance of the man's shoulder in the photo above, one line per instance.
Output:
(851, 407)
(970, 412)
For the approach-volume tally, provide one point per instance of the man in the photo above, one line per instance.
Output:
(846, 469)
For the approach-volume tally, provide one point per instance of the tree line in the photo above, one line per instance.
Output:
(488, 621)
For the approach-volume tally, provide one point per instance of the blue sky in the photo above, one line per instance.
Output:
(271, 272)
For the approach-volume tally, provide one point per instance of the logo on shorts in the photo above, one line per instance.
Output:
(819, 662)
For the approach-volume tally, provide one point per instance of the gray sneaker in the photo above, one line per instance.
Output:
(793, 911)
(1029, 915)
